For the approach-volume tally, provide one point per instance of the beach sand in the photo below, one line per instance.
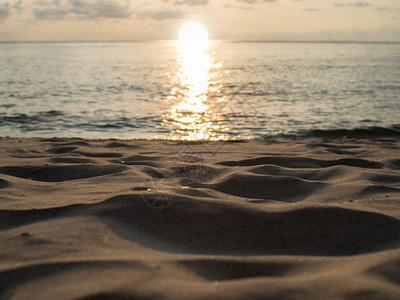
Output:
(109, 219)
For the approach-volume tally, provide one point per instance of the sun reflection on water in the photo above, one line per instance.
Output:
(196, 94)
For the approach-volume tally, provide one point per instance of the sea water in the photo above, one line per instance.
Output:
(191, 90)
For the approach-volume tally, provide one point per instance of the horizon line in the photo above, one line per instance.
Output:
(222, 40)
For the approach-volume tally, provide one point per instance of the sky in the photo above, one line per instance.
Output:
(137, 20)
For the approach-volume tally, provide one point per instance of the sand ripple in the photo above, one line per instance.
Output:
(279, 220)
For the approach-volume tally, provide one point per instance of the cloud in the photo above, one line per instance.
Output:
(355, 4)
(249, 3)
(237, 7)
(101, 9)
(161, 14)
(386, 8)
(86, 9)
(189, 2)
(17, 6)
(361, 4)
(49, 13)
(111, 9)
(255, 1)
(312, 9)
(4, 11)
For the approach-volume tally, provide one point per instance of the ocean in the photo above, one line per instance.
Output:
(212, 90)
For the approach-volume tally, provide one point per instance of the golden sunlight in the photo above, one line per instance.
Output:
(193, 31)
(196, 91)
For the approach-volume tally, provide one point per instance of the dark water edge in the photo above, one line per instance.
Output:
(52, 123)
(356, 133)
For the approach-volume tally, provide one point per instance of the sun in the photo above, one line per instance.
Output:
(193, 31)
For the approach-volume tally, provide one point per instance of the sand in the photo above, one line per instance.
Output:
(109, 219)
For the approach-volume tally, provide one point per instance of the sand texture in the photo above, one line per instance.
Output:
(109, 219)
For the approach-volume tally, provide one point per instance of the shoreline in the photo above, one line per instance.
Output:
(363, 133)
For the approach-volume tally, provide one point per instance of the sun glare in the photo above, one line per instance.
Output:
(193, 31)
(196, 91)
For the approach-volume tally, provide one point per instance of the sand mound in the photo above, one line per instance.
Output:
(60, 173)
(168, 220)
